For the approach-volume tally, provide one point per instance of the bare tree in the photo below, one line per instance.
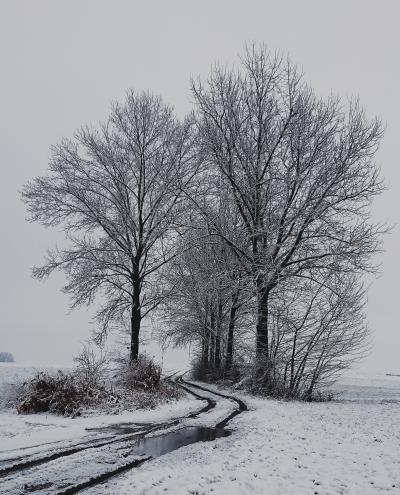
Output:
(316, 331)
(300, 172)
(260, 198)
(117, 192)
(6, 357)
(207, 299)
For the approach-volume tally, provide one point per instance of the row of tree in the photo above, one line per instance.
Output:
(6, 357)
(246, 225)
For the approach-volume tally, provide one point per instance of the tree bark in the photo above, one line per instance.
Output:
(217, 357)
(218, 335)
(136, 319)
(212, 337)
(231, 329)
(211, 350)
(262, 323)
(205, 349)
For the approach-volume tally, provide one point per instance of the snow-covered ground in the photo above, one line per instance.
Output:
(23, 431)
(350, 446)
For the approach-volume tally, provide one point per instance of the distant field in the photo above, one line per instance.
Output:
(369, 387)
(14, 372)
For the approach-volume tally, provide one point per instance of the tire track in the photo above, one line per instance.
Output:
(21, 466)
(112, 451)
(224, 422)
(33, 461)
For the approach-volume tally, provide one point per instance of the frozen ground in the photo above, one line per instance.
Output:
(22, 431)
(349, 446)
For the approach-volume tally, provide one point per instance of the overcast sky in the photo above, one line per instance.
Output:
(63, 62)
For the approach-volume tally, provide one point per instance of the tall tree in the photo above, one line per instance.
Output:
(117, 192)
(207, 299)
(300, 171)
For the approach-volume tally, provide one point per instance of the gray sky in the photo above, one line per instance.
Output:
(62, 62)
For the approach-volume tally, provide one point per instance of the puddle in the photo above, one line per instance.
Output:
(157, 446)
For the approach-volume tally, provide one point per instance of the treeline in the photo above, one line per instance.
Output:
(6, 357)
(246, 226)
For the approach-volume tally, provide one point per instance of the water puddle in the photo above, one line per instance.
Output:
(160, 445)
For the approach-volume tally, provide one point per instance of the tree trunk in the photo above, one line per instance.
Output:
(262, 323)
(136, 319)
(217, 357)
(218, 335)
(205, 349)
(212, 350)
(231, 329)
(292, 360)
(212, 337)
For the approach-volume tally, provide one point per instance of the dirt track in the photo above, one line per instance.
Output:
(65, 471)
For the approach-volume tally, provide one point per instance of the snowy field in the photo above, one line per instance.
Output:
(351, 446)
(22, 431)
(348, 446)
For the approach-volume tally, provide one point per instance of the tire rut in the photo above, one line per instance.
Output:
(241, 404)
(37, 461)
(126, 442)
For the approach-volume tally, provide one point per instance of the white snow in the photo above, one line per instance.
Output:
(350, 446)
(343, 447)
(35, 431)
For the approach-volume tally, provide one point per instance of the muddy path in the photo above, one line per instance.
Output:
(65, 471)
(106, 435)
(242, 406)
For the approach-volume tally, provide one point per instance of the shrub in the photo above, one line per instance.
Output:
(91, 366)
(62, 393)
(264, 379)
(140, 384)
(137, 385)
(142, 374)
(58, 393)
(205, 372)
